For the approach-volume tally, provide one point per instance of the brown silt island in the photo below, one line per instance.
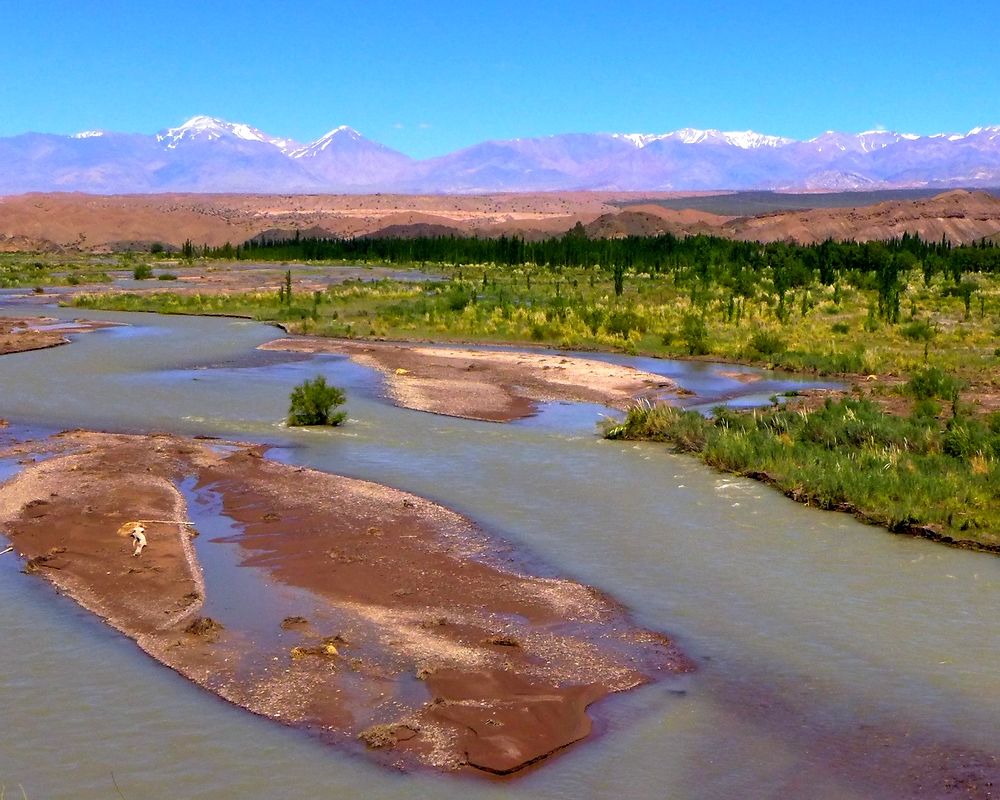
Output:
(375, 618)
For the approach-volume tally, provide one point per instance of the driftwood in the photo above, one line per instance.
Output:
(7, 550)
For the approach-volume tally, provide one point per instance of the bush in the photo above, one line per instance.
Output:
(840, 327)
(166, 276)
(621, 322)
(694, 332)
(918, 331)
(142, 272)
(764, 344)
(313, 401)
(933, 382)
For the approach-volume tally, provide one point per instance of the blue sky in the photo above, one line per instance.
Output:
(430, 77)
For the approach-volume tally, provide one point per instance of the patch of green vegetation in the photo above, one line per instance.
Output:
(24, 270)
(313, 402)
(913, 474)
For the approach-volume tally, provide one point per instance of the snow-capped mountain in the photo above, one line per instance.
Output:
(345, 158)
(209, 129)
(207, 154)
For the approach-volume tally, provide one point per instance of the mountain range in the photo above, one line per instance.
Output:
(206, 154)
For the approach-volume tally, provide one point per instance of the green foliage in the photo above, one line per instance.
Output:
(932, 382)
(849, 455)
(619, 275)
(765, 345)
(142, 272)
(671, 286)
(918, 331)
(963, 289)
(694, 332)
(313, 401)
(166, 276)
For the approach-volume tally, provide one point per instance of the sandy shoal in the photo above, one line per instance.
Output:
(493, 385)
(378, 614)
(20, 334)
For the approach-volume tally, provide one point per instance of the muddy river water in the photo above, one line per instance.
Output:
(820, 642)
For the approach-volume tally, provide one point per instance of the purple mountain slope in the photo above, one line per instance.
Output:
(206, 154)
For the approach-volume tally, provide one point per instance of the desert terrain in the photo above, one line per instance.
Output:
(100, 224)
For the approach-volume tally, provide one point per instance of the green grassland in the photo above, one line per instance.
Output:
(29, 271)
(823, 329)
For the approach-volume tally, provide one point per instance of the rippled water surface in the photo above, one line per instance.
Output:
(805, 625)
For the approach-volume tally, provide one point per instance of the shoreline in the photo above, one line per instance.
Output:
(412, 633)
(27, 333)
(486, 385)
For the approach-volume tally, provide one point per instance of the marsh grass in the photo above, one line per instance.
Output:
(904, 473)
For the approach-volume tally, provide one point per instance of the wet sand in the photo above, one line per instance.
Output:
(490, 385)
(20, 334)
(387, 624)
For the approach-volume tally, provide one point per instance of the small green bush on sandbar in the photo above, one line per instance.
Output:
(313, 403)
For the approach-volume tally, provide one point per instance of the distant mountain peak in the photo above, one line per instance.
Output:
(209, 154)
(745, 140)
(205, 128)
(341, 130)
(341, 135)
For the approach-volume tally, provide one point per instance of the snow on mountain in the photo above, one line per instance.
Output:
(339, 134)
(211, 154)
(745, 140)
(203, 128)
(345, 159)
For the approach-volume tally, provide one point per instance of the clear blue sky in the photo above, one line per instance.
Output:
(429, 77)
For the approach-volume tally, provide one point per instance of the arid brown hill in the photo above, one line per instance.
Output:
(99, 223)
(105, 223)
(959, 215)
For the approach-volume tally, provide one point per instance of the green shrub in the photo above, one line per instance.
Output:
(142, 272)
(621, 322)
(918, 331)
(840, 327)
(313, 401)
(932, 382)
(764, 344)
(166, 276)
(694, 332)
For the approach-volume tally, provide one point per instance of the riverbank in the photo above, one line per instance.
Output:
(918, 475)
(489, 385)
(383, 618)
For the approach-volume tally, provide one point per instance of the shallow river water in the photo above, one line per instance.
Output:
(813, 634)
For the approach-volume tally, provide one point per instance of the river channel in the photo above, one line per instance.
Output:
(816, 638)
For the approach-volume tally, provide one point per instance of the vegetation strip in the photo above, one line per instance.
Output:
(916, 475)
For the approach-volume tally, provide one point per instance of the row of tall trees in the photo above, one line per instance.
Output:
(700, 262)
(706, 255)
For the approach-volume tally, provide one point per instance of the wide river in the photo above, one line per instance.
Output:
(811, 632)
